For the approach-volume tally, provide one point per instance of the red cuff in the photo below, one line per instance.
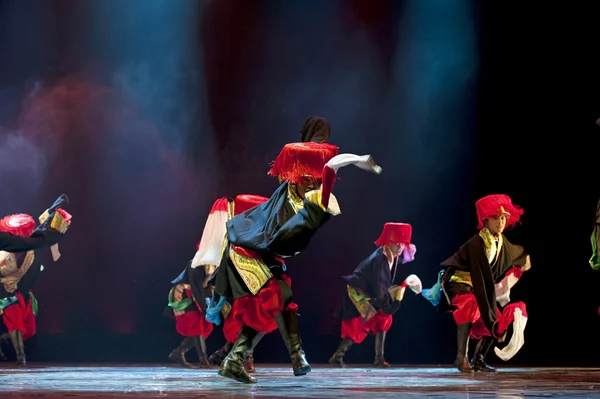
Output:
(516, 271)
(329, 177)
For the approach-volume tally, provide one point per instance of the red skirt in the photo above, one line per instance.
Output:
(355, 330)
(257, 311)
(235, 320)
(466, 310)
(193, 323)
(19, 317)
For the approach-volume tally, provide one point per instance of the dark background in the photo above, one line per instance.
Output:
(146, 111)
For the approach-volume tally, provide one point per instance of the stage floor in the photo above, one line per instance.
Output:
(277, 381)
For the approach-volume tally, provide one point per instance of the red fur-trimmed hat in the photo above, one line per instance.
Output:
(395, 233)
(496, 205)
(301, 162)
(20, 224)
(243, 202)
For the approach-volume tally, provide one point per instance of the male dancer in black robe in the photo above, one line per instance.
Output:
(315, 130)
(253, 270)
(468, 285)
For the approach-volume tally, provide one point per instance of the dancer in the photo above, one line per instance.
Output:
(229, 313)
(19, 271)
(187, 305)
(371, 299)
(476, 277)
(316, 130)
(253, 271)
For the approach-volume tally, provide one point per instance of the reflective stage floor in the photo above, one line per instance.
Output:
(277, 381)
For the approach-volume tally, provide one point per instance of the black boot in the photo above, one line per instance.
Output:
(481, 350)
(200, 344)
(178, 354)
(16, 337)
(379, 348)
(462, 340)
(249, 355)
(337, 358)
(233, 364)
(3, 338)
(288, 328)
(218, 357)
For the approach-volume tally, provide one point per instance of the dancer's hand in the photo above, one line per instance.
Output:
(397, 292)
(497, 336)
(60, 202)
(527, 265)
(209, 270)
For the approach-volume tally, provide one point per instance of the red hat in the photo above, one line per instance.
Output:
(298, 162)
(20, 224)
(395, 233)
(243, 202)
(496, 205)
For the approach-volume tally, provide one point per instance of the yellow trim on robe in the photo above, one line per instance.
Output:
(362, 303)
(462, 277)
(254, 272)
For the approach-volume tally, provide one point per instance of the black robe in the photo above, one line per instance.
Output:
(39, 239)
(471, 257)
(271, 229)
(373, 277)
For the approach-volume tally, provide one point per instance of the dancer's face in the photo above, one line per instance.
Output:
(396, 249)
(496, 224)
(308, 186)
